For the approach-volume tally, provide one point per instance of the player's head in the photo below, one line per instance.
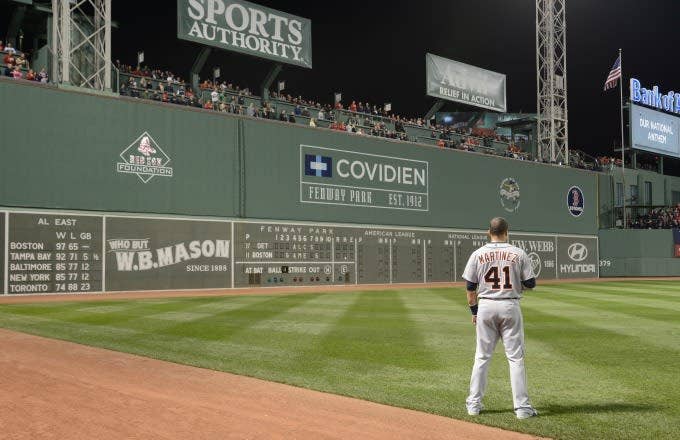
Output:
(498, 228)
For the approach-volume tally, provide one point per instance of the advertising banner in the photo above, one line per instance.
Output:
(339, 177)
(654, 131)
(577, 257)
(248, 28)
(459, 82)
(162, 254)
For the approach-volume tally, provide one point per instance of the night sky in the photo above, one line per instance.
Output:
(375, 51)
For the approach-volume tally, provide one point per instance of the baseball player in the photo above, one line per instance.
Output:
(496, 274)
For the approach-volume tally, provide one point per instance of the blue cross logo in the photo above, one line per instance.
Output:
(319, 166)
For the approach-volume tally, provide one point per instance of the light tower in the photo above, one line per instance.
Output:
(551, 73)
(81, 43)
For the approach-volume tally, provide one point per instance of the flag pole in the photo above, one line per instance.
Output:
(623, 151)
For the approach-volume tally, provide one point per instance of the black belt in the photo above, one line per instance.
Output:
(497, 299)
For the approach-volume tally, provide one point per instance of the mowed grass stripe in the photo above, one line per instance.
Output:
(314, 317)
(597, 316)
(662, 304)
(629, 358)
(607, 305)
(627, 290)
(223, 325)
(667, 292)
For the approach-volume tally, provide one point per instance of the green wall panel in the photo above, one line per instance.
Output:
(60, 150)
(636, 252)
(463, 188)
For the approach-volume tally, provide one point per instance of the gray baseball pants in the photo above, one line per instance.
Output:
(499, 319)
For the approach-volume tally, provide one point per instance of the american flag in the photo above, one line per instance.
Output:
(614, 75)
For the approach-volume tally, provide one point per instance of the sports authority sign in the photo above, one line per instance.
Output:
(459, 82)
(247, 28)
(338, 177)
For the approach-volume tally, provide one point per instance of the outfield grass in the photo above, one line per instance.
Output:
(603, 359)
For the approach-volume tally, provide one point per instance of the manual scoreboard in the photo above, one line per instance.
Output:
(69, 253)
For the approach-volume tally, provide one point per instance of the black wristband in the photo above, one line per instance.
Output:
(473, 309)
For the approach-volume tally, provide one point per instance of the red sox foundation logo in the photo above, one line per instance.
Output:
(145, 158)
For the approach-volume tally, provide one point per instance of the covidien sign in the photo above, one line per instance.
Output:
(338, 177)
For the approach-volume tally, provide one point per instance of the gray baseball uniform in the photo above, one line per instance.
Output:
(499, 269)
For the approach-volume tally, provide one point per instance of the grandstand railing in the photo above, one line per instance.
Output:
(648, 216)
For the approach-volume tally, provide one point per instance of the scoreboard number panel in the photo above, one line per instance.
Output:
(282, 254)
(54, 253)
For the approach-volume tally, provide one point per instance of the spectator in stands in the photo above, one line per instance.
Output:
(8, 59)
(21, 61)
(441, 143)
(30, 75)
(282, 116)
(214, 97)
(2, 46)
(312, 122)
(298, 110)
(291, 118)
(9, 49)
(251, 110)
(17, 73)
(208, 105)
(321, 115)
(353, 107)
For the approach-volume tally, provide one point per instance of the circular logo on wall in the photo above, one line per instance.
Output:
(577, 252)
(575, 202)
(535, 263)
(509, 193)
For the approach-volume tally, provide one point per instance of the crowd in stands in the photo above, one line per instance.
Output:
(658, 218)
(360, 117)
(15, 65)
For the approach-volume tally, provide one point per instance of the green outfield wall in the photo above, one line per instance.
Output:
(68, 150)
(634, 252)
(62, 150)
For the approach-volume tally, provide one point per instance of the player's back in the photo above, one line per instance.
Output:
(499, 269)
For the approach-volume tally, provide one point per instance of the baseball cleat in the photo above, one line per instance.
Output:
(526, 413)
(474, 410)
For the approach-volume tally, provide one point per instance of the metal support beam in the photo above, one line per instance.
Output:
(551, 79)
(199, 62)
(269, 80)
(81, 43)
(438, 104)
